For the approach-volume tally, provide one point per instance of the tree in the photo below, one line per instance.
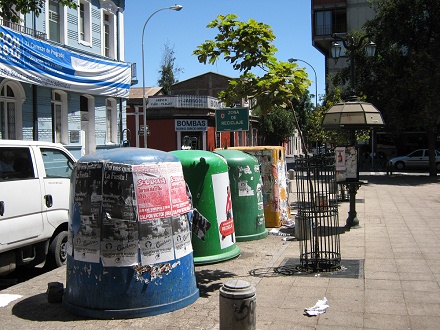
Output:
(11, 9)
(248, 46)
(277, 126)
(406, 73)
(303, 111)
(168, 72)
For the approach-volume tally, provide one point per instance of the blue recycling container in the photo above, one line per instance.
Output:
(129, 244)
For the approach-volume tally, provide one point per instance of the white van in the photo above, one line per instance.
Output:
(34, 203)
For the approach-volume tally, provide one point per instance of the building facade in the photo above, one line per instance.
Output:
(63, 77)
(186, 119)
(342, 17)
(336, 16)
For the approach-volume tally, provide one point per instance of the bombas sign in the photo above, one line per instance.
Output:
(191, 124)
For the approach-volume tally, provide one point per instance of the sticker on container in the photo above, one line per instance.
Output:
(244, 189)
(223, 207)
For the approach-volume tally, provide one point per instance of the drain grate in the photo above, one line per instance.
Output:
(350, 268)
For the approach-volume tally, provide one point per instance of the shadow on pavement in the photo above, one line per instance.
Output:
(209, 281)
(36, 308)
(416, 179)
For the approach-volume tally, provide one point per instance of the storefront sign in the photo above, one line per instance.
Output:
(191, 124)
(184, 101)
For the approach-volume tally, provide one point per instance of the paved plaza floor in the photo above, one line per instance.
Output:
(391, 279)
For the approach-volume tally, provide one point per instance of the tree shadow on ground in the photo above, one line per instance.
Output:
(211, 280)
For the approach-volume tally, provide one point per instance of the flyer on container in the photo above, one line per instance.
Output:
(156, 241)
(118, 192)
(152, 191)
(181, 235)
(86, 241)
(83, 233)
(119, 243)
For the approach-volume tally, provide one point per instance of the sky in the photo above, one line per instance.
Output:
(186, 29)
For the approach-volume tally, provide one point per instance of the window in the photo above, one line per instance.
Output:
(15, 164)
(328, 22)
(84, 22)
(110, 110)
(56, 163)
(108, 35)
(54, 21)
(8, 123)
(59, 117)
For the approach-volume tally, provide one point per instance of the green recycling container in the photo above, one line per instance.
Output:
(206, 174)
(246, 194)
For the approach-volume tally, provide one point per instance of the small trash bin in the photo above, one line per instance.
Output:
(206, 174)
(303, 224)
(246, 194)
(129, 241)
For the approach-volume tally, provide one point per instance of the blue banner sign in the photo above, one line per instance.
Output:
(38, 62)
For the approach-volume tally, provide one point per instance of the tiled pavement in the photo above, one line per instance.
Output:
(397, 246)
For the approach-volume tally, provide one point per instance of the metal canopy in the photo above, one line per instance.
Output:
(353, 115)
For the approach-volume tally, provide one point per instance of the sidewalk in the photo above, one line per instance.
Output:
(396, 285)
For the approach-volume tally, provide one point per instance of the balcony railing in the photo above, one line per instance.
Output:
(23, 29)
(329, 29)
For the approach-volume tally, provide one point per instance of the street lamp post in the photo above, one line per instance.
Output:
(144, 102)
(291, 60)
(350, 44)
(352, 115)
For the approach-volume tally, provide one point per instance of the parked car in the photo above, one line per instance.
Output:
(416, 159)
(34, 203)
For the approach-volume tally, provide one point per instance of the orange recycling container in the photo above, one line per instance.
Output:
(273, 172)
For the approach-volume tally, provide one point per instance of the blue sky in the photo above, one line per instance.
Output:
(184, 30)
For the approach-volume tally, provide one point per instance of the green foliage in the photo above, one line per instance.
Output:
(168, 72)
(406, 74)
(248, 46)
(277, 126)
(406, 71)
(10, 9)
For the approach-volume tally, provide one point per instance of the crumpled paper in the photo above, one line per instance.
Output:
(319, 308)
(5, 299)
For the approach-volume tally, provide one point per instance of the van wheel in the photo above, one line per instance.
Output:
(57, 256)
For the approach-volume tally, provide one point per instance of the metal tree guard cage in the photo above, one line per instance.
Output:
(317, 220)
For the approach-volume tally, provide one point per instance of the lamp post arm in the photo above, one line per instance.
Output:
(144, 102)
(316, 77)
(352, 46)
